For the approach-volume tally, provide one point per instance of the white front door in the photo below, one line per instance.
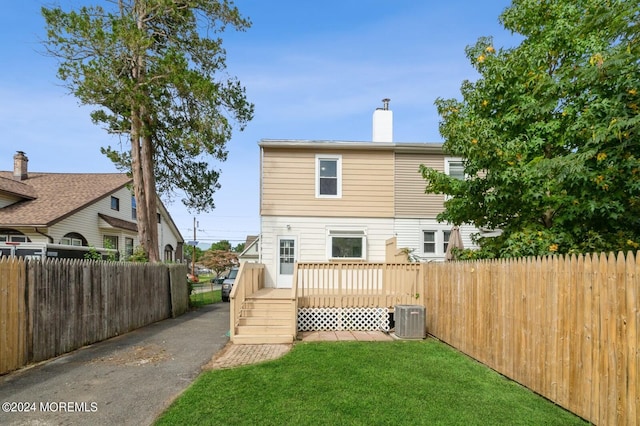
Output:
(286, 259)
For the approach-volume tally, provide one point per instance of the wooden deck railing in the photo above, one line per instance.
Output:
(353, 285)
(250, 279)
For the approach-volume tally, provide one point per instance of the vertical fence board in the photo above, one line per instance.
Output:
(633, 325)
(13, 314)
(620, 381)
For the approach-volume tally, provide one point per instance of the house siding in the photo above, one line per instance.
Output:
(87, 223)
(311, 236)
(7, 200)
(288, 184)
(410, 199)
(409, 235)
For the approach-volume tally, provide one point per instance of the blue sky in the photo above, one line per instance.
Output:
(313, 69)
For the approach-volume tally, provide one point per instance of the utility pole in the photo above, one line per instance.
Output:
(193, 256)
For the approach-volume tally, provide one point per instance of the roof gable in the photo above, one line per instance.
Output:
(51, 197)
(17, 188)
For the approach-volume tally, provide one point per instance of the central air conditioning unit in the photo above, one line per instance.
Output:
(410, 321)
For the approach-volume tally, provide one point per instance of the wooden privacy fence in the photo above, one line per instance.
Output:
(356, 285)
(565, 327)
(51, 307)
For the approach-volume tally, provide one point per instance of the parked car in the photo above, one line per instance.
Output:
(219, 279)
(227, 284)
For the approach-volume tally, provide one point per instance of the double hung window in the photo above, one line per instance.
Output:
(431, 239)
(328, 176)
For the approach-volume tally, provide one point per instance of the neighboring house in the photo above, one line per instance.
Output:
(343, 201)
(58, 212)
(251, 252)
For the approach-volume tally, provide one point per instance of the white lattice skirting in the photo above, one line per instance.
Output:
(364, 319)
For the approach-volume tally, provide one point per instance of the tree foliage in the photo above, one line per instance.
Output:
(549, 132)
(155, 70)
(219, 260)
(223, 245)
(189, 252)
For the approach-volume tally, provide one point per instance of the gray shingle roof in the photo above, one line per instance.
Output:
(51, 197)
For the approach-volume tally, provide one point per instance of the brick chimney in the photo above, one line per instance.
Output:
(20, 166)
(383, 123)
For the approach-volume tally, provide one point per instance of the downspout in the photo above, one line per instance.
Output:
(46, 235)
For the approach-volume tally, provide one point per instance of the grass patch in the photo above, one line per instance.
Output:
(363, 383)
(205, 298)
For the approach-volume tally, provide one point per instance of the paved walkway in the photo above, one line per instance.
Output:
(236, 355)
(126, 380)
(133, 378)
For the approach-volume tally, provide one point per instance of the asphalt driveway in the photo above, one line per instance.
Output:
(126, 380)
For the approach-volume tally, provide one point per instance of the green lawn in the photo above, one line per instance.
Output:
(363, 383)
(205, 298)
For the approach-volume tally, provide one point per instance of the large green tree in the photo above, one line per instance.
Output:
(549, 132)
(223, 245)
(154, 69)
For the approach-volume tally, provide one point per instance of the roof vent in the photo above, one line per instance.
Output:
(383, 123)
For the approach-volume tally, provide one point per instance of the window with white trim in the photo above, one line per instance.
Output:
(328, 176)
(347, 244)
(134, 209)
(128, 248)
(429, 241)
(110, 241)
(445, 240)
(432, 239)
(10, 235)
(454, 167)
(70, 241)
(73, 239)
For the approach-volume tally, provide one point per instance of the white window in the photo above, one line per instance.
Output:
(71, 241)
(9, 235)
(454, 167)
(347, 244)
(429, 241)
(110, 241)
(128, 248)
(445, 239)
(134, 212)
(328, 176)
(432, 239)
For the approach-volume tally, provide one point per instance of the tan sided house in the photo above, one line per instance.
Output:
(64, 214)
(338, 220)
(333, 201)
